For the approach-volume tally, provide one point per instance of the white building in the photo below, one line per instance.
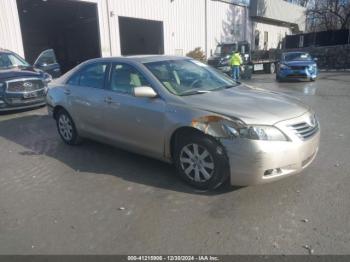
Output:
(81, 29)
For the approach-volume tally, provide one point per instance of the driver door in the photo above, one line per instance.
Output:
(47, 62)
(135, 123)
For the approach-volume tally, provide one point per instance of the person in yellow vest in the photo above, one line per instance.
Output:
(236, 62)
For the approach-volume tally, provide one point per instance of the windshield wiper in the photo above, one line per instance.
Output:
(194, 92)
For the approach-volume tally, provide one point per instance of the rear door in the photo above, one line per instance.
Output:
(86, 94)
(47, 62)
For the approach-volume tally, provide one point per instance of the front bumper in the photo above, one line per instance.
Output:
(298, 74)
(252, 161)
(5, 107)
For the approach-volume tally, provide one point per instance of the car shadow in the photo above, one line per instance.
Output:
(38, 136)
(13, 112)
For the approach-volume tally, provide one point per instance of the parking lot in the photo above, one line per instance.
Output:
(95, 199)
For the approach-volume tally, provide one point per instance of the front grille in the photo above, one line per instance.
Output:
(24, 85)
(306, 130)
(298, 67)
(213, 62)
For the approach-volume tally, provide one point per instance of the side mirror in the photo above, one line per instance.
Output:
(145, 91)
(315, 59)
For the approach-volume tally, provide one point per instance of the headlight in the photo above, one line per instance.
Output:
(221, 127)
(268, 133)
(312, 67)
(283, 66)
(2, 88)
(47, 78)
(224, 61)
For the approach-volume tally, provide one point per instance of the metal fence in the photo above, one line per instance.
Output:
(324, 38)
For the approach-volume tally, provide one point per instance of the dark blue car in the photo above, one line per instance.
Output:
(297, 65)
(23, 85)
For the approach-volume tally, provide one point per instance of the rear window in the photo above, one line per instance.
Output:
(90, 76)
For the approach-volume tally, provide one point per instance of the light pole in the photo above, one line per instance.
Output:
(206, 27)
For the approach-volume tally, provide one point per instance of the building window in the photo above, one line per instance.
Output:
(257, 39)
(266, 40)
(236, 31)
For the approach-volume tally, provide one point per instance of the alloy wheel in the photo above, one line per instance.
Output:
(197, 163)
(65, 127)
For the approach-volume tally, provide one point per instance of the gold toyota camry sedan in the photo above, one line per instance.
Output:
(184, 112)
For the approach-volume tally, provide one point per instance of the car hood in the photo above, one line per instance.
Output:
(251, 105)
(298, 63)
(19, 72)
(214, 57)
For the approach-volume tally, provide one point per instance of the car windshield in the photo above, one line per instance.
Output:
(188, 77)
(11, 60)
(297, 57)
(225, 49)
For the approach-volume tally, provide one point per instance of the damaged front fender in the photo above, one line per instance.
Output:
(218, 126)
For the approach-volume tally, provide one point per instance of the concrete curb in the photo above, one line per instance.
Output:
(334, 70)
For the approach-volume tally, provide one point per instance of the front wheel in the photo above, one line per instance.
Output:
(66, 128)
(201, 161)
(278, 79)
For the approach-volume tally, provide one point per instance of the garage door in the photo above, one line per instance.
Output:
(140, 36)
(70, 28)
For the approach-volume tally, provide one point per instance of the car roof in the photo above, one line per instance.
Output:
(4, 51)
(140, 58)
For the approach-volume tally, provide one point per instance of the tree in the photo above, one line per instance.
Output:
(197, 54)
(303, 3)
(328, 15)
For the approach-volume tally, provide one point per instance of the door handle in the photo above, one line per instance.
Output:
(67, 92)
(110, 101)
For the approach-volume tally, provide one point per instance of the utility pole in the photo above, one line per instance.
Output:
(206, 27)
(109, 27)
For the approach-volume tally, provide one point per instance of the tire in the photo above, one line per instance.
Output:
(312, 79)
(66, 128)
(278, 79)
(208, 168)
(272, 68)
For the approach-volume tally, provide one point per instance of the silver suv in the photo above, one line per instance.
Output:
(184, 112)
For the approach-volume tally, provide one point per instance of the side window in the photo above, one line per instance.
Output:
(47, 57)
(92, 76)
(125, 77)
(74, 80)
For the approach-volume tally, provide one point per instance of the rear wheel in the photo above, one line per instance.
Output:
(66, 128)
(201, 161)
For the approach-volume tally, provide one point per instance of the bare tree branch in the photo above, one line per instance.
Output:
(328, 14)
